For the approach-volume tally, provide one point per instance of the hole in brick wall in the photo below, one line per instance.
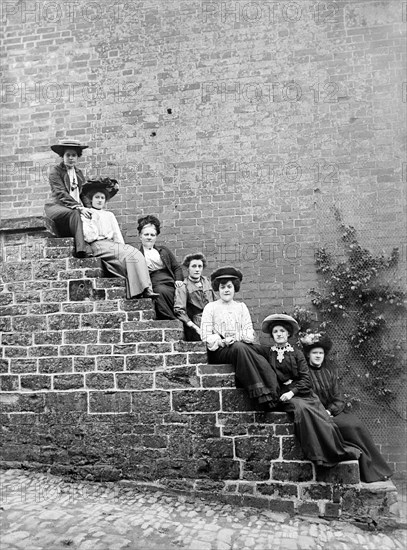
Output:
(169, 111)
(153, 134)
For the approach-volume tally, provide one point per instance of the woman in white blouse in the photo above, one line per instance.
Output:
(106, 240)
(228, 332)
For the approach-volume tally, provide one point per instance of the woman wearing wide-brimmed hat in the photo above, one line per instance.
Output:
(103, 234)
(192, 296)
(227, 329)
(319, 437)
(324, 380)
(65, 207)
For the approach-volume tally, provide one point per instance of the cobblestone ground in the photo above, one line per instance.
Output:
(44, 512)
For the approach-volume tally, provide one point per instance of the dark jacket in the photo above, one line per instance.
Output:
(294, 367)
(170, 262)
(326, 385)
(61, 186)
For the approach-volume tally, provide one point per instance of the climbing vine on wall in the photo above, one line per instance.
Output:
(356, 299)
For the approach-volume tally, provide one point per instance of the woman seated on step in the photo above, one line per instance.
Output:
(65, 207)
(192, 296)
(228, 332)
(103, 234)
(319, 437)
(165, 272)
(324, 380)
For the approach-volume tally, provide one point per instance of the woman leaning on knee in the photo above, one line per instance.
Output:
(165, 271)
(65, 207)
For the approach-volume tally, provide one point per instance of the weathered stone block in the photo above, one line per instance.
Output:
(148, 325)
(81, 337)
(284, 429)
(84, 364)
(81, 290)
(27, 297)
(332, 510)
(204, 425)
(173, 335)
(109, 336)
(190, 346)
(124, 349)
(106, 305)
(44, 309)
(47, 269)
(81, 307)
(235, 423)
(110, 363)
(21, 271)
(55, 295)
(5, 324)
(54, 364)
(196, 358)
(135, 381)
(53, 338)
(103, 320)
(176, 359)
(178, 377)
(100, 381)
(13, 310)
(257, 448)
(316, 491)
(8, 382)
(4, 366)
(64, 321)
(308, 509)
(212, 447)
(278, 490)
(117, 402)
(43, 351)
(71, 350)
(151, 347)
(291, 471)
(35, 382)
(136, 305)
(6, 298)
(291, 449)
(15, 351)
(195, 400)
(61, 403)
(236, 400)
(68, 381)
(146, 362)
(30, 323)
(343, 473)
(158, 401)
(143, 336)
(218, 381)
(23, 365)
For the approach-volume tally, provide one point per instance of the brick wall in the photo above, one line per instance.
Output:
(238, 123)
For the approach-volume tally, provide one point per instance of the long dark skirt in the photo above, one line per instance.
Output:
(123, 260)
(164, 284)
(69, 224)
(372, 465)
(318, 435)
(252, 371)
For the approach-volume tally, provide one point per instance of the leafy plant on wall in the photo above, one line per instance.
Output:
(360, 305)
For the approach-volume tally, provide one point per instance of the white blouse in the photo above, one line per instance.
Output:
(153, 259)
(102, 225)
(222, 319)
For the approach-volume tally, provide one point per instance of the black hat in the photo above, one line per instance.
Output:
(64, 144)
(279, 319)
(315, 340)
(227, 273)
(107, 185)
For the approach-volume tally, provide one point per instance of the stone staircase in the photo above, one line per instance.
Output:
(93, 386)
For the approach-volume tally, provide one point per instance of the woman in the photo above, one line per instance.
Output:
(228, 332)
(324, 379)
(165, 272)
(65, 207)
(192, 296)
(103, 233)
(318, 435)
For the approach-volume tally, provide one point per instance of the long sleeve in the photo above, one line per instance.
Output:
(59, 190)
(180, 303)
(117, 234)
(90, 230)
(302, 384)
(208, 333)
(247, 332)
(326, 386)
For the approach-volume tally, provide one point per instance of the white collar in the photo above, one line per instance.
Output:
(281, 350)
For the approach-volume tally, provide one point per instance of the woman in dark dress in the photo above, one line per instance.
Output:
(65, 207)
(227, 330)
(192, 296)
(324, 379)
(165, 271)
(319, 437)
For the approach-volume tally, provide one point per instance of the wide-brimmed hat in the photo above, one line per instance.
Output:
(227, 273)
(109, 186)
(279, 319)
(315, 340)
(64, 144)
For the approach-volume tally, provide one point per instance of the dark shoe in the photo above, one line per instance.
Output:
(82, 255)
(149, 293)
